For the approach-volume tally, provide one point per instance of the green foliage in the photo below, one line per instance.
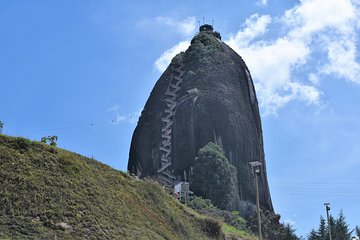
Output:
(47, 194)
(288, 232)
(313, 235)
(339, 229)
(212, 227)
(235, 225)
(234, 233)
(205, 47)
(213, 176)
(198, 203)
(357, 231)
(207, 40)
(272, 229)
(322, 231)
(50, 139)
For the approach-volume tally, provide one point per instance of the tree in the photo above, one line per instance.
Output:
(213, 177)
(50, 139)
(357, 231)
(322, 231)
(341, 228)
(1, 126)
(289, 233)
(313, 235)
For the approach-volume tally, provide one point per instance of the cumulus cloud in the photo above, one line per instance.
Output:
(186, 26)
(335, 24)
(254, 27)
(342, 60)
(271, 64)
(310, 27)
(163, 61)
(282, 66)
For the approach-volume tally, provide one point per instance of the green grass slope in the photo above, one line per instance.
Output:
(50, 193)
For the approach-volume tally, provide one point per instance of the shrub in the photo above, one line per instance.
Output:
(211, 227)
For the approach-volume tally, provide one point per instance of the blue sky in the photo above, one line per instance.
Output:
(82, 70)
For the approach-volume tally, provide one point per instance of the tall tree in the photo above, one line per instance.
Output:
(289, 233)
(357, 231)
(332, 222)
(341, 230)
(322, 231)
(313, 235)
(213, 177)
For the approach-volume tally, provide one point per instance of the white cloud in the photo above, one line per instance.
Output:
(310, 26)
(271, 65)
(342, 60)
(262, 2)
(313, 15)
(335, 24)
(313, 78)
(186, 27)
(117, 117)
(254, 27)
(312, 31)
(163, 61)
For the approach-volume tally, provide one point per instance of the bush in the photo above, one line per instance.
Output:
(50, 139)
(204, 206)
(21, 144)
(198, 203)
(272, 229)
(211, 227)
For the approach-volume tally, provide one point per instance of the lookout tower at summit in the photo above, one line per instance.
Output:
(206, 27)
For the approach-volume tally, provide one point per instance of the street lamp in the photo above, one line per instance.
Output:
(327, 207)
(256, 170)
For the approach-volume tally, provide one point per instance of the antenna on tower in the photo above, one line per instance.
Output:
(212, 22)
(199, 23)
(203, 20)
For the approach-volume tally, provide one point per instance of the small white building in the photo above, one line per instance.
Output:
(181, 191)
(181, 187)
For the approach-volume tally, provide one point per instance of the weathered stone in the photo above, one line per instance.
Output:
(215, 101)
(63, 226)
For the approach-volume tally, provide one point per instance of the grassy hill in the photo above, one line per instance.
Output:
(50, 193)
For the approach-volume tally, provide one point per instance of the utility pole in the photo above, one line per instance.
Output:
(327, 207)
(256, 170)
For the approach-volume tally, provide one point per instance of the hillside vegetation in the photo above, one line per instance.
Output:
(50, 193)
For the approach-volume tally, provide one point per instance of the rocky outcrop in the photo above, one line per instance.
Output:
(206, 94)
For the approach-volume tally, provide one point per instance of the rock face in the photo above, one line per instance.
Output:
(205, 95)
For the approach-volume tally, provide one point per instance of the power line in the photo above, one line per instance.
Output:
(90, 124)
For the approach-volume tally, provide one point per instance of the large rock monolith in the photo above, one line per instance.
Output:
(205, 95)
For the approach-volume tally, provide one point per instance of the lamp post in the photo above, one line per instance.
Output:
(327, 207)
(256, 170)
